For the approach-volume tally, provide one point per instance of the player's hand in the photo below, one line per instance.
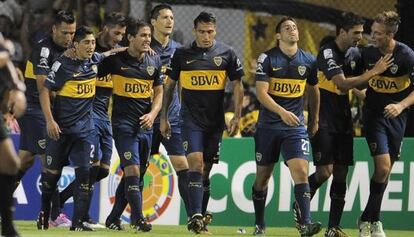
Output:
(290, 118)
(147, 120)
(151, 52)
(234, 126)
(165, 128)
(53, 130)
(17, 103)
(312, 128)
(116, 50)
(393, 110)
(383, 64)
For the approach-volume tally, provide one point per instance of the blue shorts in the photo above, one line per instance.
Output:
(78, 148)
(384, 136)
(133, 148)
(332, 148)
(33, 132)
(195, 139)
(174, 145)
(269, 143)
(103, 132)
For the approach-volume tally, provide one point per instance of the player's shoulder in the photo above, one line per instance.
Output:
(306, 56)
(404, 49)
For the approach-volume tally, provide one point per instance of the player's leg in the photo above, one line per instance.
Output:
(267, 146)
(343, 159)
(56, 156)
(193, 146)
(176, 153)
(81, 154)
(295, 148)
(9, 165)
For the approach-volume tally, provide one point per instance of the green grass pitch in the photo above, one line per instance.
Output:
(28, 229)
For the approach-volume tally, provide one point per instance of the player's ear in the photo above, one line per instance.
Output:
(153, 21)
(278, 36)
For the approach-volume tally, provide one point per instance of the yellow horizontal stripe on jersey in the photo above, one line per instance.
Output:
(132, 87)
(209, 80)
(29, 72)
(78, 89)
(288, 88)
(328, 85)
(105, 81)
(389, 85)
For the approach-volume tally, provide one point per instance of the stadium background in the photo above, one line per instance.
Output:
(248, 26)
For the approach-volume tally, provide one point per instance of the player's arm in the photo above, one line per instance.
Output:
(313, 99)
(53, 129)
(393, 110)
(345, 84)
(148, 119)
(238, 94)
(169, 88)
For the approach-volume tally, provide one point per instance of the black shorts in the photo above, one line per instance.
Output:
(332, 148)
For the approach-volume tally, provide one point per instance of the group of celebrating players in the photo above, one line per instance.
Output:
(72, 75)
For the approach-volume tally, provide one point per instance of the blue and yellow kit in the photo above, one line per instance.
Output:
(39, 63)
(395, 83)
(166, 54)
(104, 87)
(202, 74)
(133, 81)
(287, 78)
(384, 136)
(74, 82)
(335, 115)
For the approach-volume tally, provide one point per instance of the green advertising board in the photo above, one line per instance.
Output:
(233, 177)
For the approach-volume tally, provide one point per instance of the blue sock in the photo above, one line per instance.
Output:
(80, 195)
(206, 195)
(120, 202)
(183, 189)
(302, 196)
(133, 195)
(259, 203)
(195, 190)
(337, 193)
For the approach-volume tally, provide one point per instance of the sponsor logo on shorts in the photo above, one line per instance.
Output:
(49, 160)
(373, 147)
(127, 155)
(42, 143)
(318, 156)
(185, 145)
(258, 156)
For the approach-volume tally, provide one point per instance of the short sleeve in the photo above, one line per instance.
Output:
(234, 68)
(173, 68)
(41, 59)
(57, 77)
(262, 68)
(328, 63)
(159, 77)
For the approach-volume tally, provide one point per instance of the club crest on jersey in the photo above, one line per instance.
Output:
(95, 68)
(302, 70)
(394, 68)
(217, 60)
(151, 70)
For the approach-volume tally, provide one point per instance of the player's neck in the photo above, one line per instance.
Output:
(288, 49)
(341, 45)
(161, 38)
(136, 54)
(389, 48)
(101, 41)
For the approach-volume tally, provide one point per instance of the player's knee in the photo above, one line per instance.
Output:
(103, 173)
(179, 163)
(381, 173)
(323, 174)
